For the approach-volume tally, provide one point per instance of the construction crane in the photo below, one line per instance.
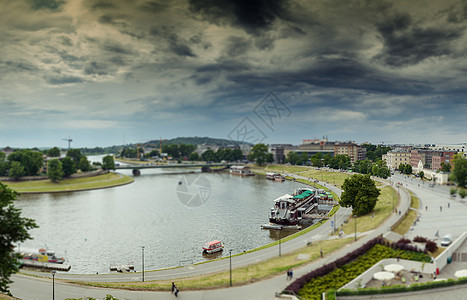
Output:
(69, 140)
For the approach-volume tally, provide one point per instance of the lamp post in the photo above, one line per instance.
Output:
(355, 216)
(53, 284)
(142, 249)
(280, 236)
(230, 258)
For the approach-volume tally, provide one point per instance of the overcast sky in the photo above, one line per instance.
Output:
(272, 71)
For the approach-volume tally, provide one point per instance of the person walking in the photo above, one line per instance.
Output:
(173, 287)
(176, 291)
(291, 274)
(321, 252)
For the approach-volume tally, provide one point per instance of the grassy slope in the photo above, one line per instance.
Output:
(67, 185)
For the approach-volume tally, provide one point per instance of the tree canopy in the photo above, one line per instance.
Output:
(259, 153)
(459, 173)
(53, 152)
(360, 193)
(31, 161)
(55, 170)
(108, 162)
(13, 229)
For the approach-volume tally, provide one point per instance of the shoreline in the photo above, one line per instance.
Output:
(68, 185)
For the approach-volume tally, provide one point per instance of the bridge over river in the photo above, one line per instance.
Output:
(137, 167)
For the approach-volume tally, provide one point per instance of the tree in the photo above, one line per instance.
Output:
(31, 161)
(459, 173)
(108, 162)
(13, 229)
(360, 193)
(194, 156)
(401, 168)
(304, 158)
(4, 165)
(55, 170)
(408, 169)
(445, 167)
(84, 164)
(68, 166)
(53, 152)
(259, 153)
(208, 155)
(317, 160)
(16, 170)
(362, 166)
(421, 174)
(75, 154)
(153, 153)
(292, 158)
(462, 193)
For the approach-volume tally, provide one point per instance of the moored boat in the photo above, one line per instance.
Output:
(289, 209)
(43, 255)
(213, 247)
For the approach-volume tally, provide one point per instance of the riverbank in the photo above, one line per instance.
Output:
(264, 269)
(102, 181)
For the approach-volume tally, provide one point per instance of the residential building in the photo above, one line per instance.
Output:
(314, 146)
(354, 151)
(396, 157)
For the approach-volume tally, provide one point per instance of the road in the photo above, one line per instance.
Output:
(26, 287)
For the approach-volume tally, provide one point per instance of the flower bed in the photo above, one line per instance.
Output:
(345, 269)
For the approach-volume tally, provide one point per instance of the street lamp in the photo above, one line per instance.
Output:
(280, 236)
(53, 283)
(142, 249)
(355, 226)
(230, 258)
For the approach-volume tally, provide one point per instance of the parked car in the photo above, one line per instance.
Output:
(446, 241)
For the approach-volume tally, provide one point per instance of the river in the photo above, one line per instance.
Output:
(96, 229)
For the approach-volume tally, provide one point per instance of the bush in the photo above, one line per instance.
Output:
(403, 241)
(420, 239)
(431, 246)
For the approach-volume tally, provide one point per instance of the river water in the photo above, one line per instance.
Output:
(160, 211)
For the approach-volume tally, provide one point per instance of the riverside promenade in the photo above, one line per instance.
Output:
(26, 287)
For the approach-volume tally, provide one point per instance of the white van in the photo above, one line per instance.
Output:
(447, 240)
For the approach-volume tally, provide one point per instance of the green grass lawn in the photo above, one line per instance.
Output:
(381, 212)
(240, 276)
(67, 185)
(407, 222)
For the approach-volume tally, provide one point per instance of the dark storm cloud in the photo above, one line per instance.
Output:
(59, 80)
(95, 68)
(45, 4)
(17, 66)
(154, 7)
(407, 44)
(251, 15)
(176, 44)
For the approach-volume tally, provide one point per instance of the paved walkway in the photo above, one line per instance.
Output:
(25, 287)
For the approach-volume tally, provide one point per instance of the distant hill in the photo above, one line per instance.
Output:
(196, 141)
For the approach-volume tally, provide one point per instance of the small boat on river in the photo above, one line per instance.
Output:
(43, 255)
(213, 247)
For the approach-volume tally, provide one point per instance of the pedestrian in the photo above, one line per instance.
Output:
(440, 208)
(173, 287)
(321, 252)
(288, 274)
(176, 291)
(449, 205)
(291, 274)
(426, 208)
(399, 212)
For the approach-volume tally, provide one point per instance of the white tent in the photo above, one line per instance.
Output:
(393, 268)
(383, 275)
